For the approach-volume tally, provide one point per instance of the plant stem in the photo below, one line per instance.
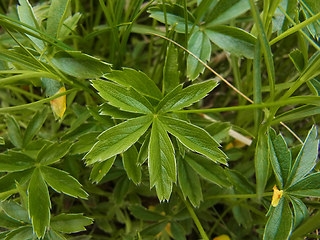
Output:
(194, 217)
(253, 195)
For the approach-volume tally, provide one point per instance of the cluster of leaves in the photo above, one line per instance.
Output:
(150, 162)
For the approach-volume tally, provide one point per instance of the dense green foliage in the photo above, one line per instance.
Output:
(162, 119)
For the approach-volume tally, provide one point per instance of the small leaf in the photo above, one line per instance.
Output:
(2, 142)
(174, 16)
(121, 189)
(118, 139)
(26, 15)
(80, 65)
(189, 183)
(52, 153)
(20, 233)
(297, 58)
(15, 161)
(107, 109)
(161, 161)
(100, 169)
(68, 26)
(261, 163)
(130, 163)
(306, 159)
(55, 16)
(279, 225)
(207, 169)
(123, 98)
(195, 138)
(143, 151)
(39, 203)
(300, 211)
(240, 182)
(307, 187)
(144, 214)
(15, 211)
(34, 125)
(199, 44)
(59, 104)
(171, 69)
(62, 181)
(14, 131)
(225, 10)
(8, 182)
(136, 79)
(70, 223)
(233, 40)
(280, 157)
(178, 99)
(154, 229)
(177, 230)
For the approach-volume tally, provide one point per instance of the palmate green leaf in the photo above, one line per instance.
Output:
(174, 16)
(306, 159)
(100, 169)
(179, 98)
(189, 182)
(207, 169)
(15, 161)
(161, 161)
(70, 223)
(280, 222)
(118, 139)
(62, 181)
(53, 152)
(307, 187)
(138, 80)
(26, 15)
(56, 16)
(24, 232)
(80, 65)
(14, 131)
(194, 138)
(199, 44)
(225, 10)
(280, 157)
(15, 211)
(233, 40)
(123, 98)
(300, 211)
(38, 203)
(171, 69)
(34, 125)
(130, 163)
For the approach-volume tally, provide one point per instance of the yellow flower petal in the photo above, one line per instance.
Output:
(58, 105)
(277, 194)
(222, 237)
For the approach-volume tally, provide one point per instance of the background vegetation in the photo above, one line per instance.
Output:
(132, 119)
